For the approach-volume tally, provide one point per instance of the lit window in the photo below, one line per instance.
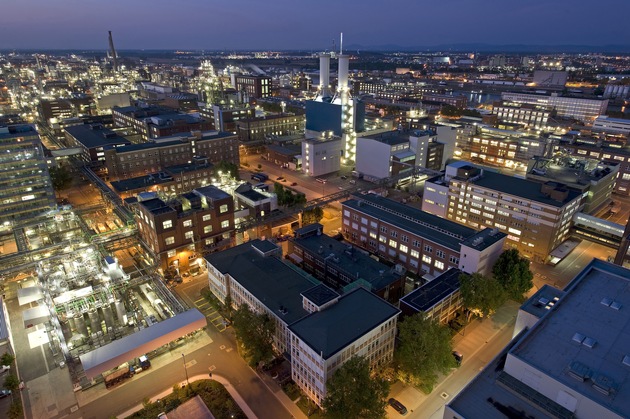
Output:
(207, 229)
(188, 223)
(169, 240)
(167, 224)
(225, 224)
(223, 208)
(426, 259)
(206, 217)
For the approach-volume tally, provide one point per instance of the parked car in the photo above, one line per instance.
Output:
(280, 178)
(398, 406)
(458, 357)
(352, 181)
(4, 369)
(4, 393)
(344, 177)
(294, 184)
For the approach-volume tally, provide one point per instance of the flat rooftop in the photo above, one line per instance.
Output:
(94, 135)
(438, 230)
(352, 316)
(518, 187)
(267, 278)
(542, 301)
(350, 260)
(390, 137)
(587, 330)
(431, 293)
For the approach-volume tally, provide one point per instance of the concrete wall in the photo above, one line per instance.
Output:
(373, 158)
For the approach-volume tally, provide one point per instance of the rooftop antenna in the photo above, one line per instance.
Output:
(111, 47)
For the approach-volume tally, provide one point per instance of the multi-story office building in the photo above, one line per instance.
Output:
(611, 125)
(53, 110)
(256, 130)
(529, 115)
(253, 273)
(225, 118)
(585, 110)
(255, 86)
(93, 139)
(420, 242)
(356, 324)
(170, 182)
(141, 159)
(317, 327)
(501, 148)
(157, 122)
(25, 186)
(572, 361)
(321, 156)
(397, 153)
(593, 179)
(605, 152)
(536, 217)
(339, 265)
(176, 233)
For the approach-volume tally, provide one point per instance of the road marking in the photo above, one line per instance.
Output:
(212, 368)
(222, 347)
(444, 395)
(229, 350)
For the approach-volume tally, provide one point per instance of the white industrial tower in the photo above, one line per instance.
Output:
(349, 136)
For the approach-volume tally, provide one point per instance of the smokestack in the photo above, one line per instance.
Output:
(344, 65)
(324, 75)
(113, 50)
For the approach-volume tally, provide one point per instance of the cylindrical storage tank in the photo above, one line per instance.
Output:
(344, 65)
(108, 316)
(324, 73)
(72, 324)
(81, 326)
(65, 329)
(120, 312)
(95, 321)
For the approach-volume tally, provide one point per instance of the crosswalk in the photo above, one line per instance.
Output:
(211, 314)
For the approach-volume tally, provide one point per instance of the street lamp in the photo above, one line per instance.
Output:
(185, 369)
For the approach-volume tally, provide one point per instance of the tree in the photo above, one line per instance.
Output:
(450, 111)
(7, 359)
(11, 382)
(312, 216)
(280, 192)
(228, 168)
(254, 334)
(61, 177)
(481, 295)
(353, 393)
(425, 351)
(512, 272)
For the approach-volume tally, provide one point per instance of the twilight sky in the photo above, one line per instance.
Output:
(297, 24)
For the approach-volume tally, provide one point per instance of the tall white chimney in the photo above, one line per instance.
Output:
(324, 75)
(344, 65)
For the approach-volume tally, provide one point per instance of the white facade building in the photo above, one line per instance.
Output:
(567, 107)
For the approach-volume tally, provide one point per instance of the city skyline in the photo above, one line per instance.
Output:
(284, 25)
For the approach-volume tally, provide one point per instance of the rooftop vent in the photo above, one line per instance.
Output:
(589, 342)
(604, 384)
(606, 301)
(544, 301)
(578, 337)
(626, 360)
(616, 305)
(579, 371)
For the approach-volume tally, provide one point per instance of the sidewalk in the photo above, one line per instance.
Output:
(277, 391)
(228, 386)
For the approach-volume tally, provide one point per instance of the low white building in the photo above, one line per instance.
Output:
(321, 155)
